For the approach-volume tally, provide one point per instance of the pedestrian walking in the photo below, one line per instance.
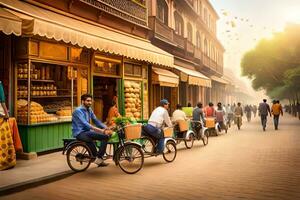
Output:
(298, 110)
(276, 110)
(248, 111)
(229, 114)
(254, 110)
(238, 113)
(263, 110)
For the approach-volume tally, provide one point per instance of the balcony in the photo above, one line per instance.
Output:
(206, 60)
(190, 48)
(198, 53)
(133, 11)
(213, 65)
(160, 29)
(179, 40)
(220, 69)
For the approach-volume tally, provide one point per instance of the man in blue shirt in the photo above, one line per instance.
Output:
(84, 131)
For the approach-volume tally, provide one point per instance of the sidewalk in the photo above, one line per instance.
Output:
(28, 173)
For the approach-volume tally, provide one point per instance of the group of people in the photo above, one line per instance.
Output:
(159, 118)
(264, 111)
(293, 109)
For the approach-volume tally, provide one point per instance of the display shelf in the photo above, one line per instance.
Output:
(40, 97)
(37, 80)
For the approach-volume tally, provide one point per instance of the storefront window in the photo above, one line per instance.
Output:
(51, 89)
(133, 101)
(133, 69)
(105, 67)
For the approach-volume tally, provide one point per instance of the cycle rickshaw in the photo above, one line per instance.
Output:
(127, 154)
(149, 145)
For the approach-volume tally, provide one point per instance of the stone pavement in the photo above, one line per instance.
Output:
(245, 164)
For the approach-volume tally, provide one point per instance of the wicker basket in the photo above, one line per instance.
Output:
(183, 125)
(210, 122)
(133, 131)
(168, 132)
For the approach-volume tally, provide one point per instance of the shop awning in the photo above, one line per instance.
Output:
(9, 23)
(218, 79)
(164, 77)
(42, 22)
(193, 77)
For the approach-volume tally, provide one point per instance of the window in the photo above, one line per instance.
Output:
(189, 32)
(205, 47)
(213, 54)
(205, 16)
(198, 7)
(178, 24)
(198, 40)
(209, 21)
(162, 11)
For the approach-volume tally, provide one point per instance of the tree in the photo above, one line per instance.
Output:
(274, 65)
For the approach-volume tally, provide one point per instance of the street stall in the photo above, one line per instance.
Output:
(50, 78)
(60, 56)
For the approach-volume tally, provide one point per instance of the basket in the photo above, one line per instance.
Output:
(133, 131)
(183, 125)
(168, 132)
(210, 122)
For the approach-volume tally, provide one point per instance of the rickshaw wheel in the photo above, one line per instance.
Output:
(79, 157)
(190, 142)
(130, 158)
(148, 145)
(205, 139)
(170, 151)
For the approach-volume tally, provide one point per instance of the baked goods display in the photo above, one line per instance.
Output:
(38, 89)
(36, 73)
(37, 113)
(57, 105)
(133, 103)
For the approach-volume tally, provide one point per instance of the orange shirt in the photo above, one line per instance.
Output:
(276, 109)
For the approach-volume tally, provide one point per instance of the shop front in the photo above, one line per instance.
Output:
(218, 89)
(192, 86)
(60, 57)
(164, 85)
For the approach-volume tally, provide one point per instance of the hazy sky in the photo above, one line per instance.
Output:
(253, 20)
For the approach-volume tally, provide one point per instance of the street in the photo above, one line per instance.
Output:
(245, 164)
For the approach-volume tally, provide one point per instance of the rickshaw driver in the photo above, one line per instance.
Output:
(158, 118)
(84, 131)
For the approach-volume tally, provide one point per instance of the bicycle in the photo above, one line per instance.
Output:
(128, 155)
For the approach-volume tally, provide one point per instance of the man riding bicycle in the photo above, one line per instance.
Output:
(84, 131)
(158, 118)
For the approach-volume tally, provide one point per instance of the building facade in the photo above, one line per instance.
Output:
(187, 29)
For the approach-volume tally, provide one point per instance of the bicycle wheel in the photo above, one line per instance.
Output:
(148, 145)
(205, 139)
(79, 157)
(170, 151)
(189, 142)
(130, 158)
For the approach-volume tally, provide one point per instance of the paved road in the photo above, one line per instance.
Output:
(245, 164)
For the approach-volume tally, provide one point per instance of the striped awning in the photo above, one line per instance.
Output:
(77, 31)
(10, 23)
(164, 77)
(193, 77)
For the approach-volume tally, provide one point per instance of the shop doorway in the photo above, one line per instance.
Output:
(104, 92)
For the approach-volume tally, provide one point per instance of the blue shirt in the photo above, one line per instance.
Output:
(81, 118)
